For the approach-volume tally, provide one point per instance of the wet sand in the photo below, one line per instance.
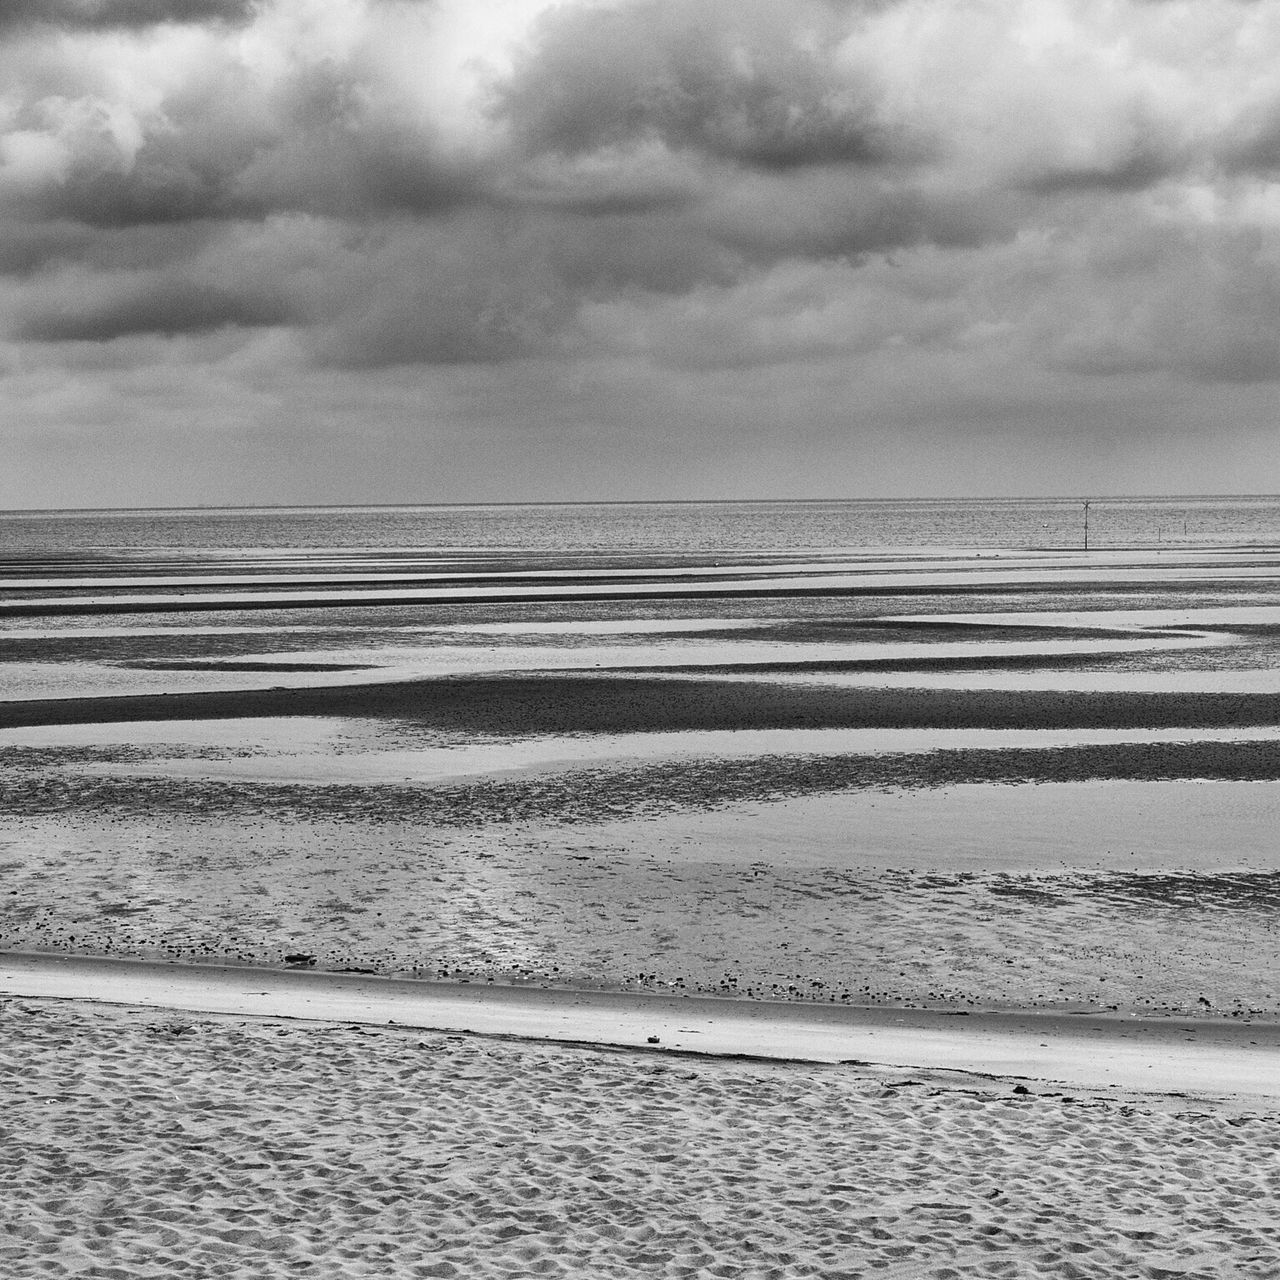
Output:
(1149, 897)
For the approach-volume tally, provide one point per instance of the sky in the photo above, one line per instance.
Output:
(306, 251)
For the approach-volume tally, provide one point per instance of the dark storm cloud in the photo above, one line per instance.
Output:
(97, 15)
(476, 288)
(824, 216)
(26, 247)
(637, 173)
(621, 190)
(1135, 171)
(1251, 143)
(494, 285)
(226, 147)
(164, 307)
(361, 172)
(165, 184)
(157, 189)
(32, 253)
(602, 257)
(336, 147)
(744, 84)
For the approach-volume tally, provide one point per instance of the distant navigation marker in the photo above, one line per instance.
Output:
(1086, 526)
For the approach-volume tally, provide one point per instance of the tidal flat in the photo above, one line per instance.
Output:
(379, 911)
(972, 780)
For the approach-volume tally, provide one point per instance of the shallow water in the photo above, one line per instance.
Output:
(644, 526)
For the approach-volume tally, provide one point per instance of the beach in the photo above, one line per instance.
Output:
(146, 1144)
(389, 913)
(639, 639)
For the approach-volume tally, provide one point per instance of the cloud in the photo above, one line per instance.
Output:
(1142, 164)
(641, 179)
(823, 215)
(757, 85)
(165, 306)
(1203, 303)
(484, 287)
(191, 123)
(99, 15)
(1250, 143)
(942, 211)
(27, 247)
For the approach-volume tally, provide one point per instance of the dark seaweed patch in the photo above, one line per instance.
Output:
(593, 795)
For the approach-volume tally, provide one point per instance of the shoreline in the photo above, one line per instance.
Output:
(1178, 1055)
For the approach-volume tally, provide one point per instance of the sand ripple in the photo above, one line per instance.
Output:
(140, 1146)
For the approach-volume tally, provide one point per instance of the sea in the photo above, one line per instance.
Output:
(659, 527)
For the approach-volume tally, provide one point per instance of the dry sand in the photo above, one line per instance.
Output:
(140, 1145)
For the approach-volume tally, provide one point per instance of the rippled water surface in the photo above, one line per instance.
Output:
(757, 527)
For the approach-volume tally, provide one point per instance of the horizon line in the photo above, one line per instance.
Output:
(620, 502)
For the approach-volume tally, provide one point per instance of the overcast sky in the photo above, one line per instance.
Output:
(397, 250)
